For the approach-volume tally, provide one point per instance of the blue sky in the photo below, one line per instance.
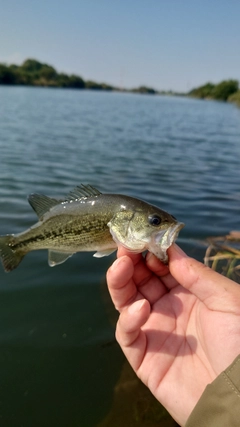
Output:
(164, 44)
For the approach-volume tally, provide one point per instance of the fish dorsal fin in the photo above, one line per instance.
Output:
(42, 204)
(82, 191)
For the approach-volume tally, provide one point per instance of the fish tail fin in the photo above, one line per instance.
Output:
(10, 257)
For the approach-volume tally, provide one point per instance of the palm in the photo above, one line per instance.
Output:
(176, 348)
(180, 343)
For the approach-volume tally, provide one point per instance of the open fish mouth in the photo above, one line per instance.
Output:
(164, 239)
(172, 233)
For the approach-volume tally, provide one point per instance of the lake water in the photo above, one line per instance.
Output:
(59, 363)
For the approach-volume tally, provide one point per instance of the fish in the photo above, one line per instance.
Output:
(87, 220)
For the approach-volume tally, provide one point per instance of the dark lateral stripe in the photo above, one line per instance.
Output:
(60, 234)
(38, 238)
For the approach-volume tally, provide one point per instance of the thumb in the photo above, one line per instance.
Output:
(215, 290)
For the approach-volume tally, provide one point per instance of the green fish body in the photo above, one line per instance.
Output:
(88, 220)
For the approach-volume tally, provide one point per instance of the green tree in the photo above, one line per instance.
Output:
(76, 82)
(63, 80)
(221, 91)
(224, 89)
(235, 97)
(32, 66)
(93, 85)
(7, 76)
(205, 91)
(47, 72)
(145, 89)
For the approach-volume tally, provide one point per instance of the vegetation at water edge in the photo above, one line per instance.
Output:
(222, 91)
(35, 73)
(235, 97)
(223, 255)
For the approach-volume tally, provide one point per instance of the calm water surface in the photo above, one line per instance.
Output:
(59, 362)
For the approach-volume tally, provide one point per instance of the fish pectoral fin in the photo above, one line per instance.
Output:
(55, 257)
(119, 226)
(100, 254)
(42, 204)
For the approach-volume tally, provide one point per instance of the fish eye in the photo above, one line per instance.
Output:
(154, 220)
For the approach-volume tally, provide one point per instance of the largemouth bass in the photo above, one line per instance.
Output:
(88, 220)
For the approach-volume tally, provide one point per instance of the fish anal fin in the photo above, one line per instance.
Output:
(42, 204)
(56, 257)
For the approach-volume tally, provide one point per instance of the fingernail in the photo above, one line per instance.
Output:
(136, 306)
(115, 264)
(149, 256)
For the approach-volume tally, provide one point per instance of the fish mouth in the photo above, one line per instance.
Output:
(164, 239)
(172, 233)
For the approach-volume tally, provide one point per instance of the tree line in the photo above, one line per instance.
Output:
(35, 73)
(227, 90)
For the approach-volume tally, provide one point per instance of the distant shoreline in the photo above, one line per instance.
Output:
(35, 73)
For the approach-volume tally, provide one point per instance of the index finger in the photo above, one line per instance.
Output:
(120, 284)
(128, 282)
(142, 273)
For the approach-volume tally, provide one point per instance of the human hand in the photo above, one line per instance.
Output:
(179, 325)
